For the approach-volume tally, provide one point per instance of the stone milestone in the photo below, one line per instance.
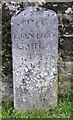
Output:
(34, 34)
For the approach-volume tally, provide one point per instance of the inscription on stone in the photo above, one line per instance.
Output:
(35, 52)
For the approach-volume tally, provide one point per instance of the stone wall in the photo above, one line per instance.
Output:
(65, 64)
(66, 51)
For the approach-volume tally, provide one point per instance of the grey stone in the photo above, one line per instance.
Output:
(35, 52)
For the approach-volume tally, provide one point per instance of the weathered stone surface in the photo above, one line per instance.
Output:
(35, 53)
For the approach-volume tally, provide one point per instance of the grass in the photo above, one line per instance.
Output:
(63, 110)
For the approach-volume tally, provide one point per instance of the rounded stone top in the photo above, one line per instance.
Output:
(31, 11)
